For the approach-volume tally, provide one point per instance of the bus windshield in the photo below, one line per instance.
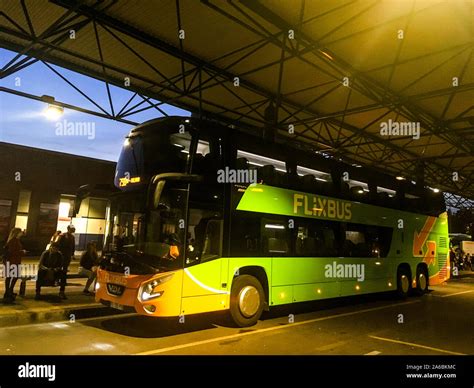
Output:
(155, 236)
(145, 155)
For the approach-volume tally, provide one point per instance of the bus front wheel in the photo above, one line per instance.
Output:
(403, 282)
(246, 301)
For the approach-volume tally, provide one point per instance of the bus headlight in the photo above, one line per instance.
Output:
(150, 290)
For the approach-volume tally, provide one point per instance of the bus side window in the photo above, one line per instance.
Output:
(275, 238)
(306, 243)
(212, 240)
(245, 239)
(367, 241)
(205, 223)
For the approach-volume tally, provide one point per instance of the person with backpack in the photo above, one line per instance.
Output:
(12, 261)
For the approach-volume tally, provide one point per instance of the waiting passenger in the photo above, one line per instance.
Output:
(88, 265)
(67, 245)
(54, 238)
(52, 269)
(12, 259)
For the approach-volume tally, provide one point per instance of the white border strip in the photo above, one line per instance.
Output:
(186, 271)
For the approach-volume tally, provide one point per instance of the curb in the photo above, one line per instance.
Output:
(48, 315)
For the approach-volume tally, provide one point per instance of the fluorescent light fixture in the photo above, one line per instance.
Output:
(381, 189)
(400, 178)
(353, 182)
(300, 170)
(257, 159)
(274, 226)
(326, 55)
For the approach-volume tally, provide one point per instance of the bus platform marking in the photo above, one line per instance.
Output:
(417, 345)
(268, 329)
(456, 293)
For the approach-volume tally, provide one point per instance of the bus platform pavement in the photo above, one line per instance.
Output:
(50, 308)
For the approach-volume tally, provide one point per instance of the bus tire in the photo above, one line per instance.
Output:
(422, 280)
(246, 301)
(403, 283)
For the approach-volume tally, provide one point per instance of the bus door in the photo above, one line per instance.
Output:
(204, 272)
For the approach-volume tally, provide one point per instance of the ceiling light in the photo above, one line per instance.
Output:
(53, 112)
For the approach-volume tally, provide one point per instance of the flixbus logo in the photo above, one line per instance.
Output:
(312, 205)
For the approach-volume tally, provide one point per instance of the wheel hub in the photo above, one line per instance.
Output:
(249, 301)
(404, 283)
(422, 281)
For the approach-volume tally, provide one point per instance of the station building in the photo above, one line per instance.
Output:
(37, 192)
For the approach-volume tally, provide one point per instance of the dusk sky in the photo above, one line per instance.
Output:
(22, 120)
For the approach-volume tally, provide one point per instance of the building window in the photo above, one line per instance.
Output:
(21, 220)
(97, 208)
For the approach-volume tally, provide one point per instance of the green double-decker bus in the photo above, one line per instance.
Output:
(207, 218)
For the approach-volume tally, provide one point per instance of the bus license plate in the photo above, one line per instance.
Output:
(117, 279)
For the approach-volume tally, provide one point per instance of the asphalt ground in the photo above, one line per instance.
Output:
(438, 323)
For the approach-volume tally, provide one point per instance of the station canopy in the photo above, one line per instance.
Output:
(329, 73)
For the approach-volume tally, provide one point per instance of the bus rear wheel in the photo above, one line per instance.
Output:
(421, 280)
(246, 301)
(403, 283)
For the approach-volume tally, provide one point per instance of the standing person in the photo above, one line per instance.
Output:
(54, 238)
(467, 262)
(51, 269)
(119, 238)
(12, 261)
(88, 265)
(452, 259)
(67, 245)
